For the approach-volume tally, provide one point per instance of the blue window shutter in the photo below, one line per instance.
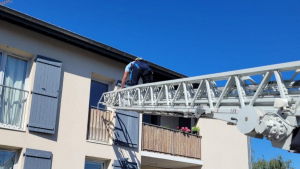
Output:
(45, 95)
(37, 159)
(124, 164)
(126, 129)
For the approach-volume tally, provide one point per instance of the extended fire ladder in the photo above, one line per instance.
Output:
(261, 101)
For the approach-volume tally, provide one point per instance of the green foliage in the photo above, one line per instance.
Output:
(166, 126)
(274, 163)
(195, 128)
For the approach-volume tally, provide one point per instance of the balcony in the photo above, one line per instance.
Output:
(12, 107)
(99, 125)
(172, 142)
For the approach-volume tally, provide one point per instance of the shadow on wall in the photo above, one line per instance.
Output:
(124, 151)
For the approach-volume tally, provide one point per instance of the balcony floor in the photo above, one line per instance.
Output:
(168, 161)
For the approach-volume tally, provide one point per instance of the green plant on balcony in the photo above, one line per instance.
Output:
(166, 126)
(195, 130)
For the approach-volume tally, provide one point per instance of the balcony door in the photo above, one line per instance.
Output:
(99, 120)
(12, 94)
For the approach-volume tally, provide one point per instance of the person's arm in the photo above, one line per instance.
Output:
(124, 79)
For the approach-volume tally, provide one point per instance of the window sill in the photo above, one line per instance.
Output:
(98, 142)
(11, 128)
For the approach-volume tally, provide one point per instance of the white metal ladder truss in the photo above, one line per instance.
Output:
(262, 88)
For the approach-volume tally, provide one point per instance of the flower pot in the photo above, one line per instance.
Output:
(195, 132)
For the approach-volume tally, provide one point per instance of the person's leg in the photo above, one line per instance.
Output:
(135, 75)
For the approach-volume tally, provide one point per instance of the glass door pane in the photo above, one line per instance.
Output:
(97, 89)
(12, 95)
(7, 159)
(15, 72)
(93, 165)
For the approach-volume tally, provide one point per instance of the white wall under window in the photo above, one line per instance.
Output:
(13, 97)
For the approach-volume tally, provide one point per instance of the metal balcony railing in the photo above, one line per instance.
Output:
(12, 107)
(99, 125)
(168, 141)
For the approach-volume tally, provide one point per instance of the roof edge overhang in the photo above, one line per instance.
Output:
(69, 37)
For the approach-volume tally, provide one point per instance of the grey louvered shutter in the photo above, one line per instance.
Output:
(124, 164)
(45, 95)
(126, 128)
(37, 159)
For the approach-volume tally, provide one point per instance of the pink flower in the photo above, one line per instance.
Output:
(177, 127)
(186, 128)
(182, 128)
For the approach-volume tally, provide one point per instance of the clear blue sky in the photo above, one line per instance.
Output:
(188, 36)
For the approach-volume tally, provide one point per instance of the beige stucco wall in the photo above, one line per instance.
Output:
(222, 145)
(69, 146)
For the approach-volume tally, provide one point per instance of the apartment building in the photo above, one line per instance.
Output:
(51, 81)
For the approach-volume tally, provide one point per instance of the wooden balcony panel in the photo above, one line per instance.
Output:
(99, 125)
(168, 141)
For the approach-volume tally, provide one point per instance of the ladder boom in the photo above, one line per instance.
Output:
(250, 98)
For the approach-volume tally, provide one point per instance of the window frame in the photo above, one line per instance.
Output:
(17, 155)
(4, 55)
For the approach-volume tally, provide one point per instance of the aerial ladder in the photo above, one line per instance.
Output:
(261, 102)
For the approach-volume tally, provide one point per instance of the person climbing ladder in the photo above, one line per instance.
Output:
(137, 69)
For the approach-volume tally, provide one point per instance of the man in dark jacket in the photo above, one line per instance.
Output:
(136, 69)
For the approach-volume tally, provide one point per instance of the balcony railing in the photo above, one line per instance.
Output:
(99, 126)
(12, 107)
(168, 141)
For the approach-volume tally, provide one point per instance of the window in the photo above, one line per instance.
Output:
(12, 94)
(7, 159)
(97, 89)
(93, 164)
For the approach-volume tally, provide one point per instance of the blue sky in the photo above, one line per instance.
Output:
(190, 37)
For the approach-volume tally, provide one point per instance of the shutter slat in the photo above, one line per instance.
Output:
(37, 159)
(46, 61)
(45, 95)
(41, 126)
